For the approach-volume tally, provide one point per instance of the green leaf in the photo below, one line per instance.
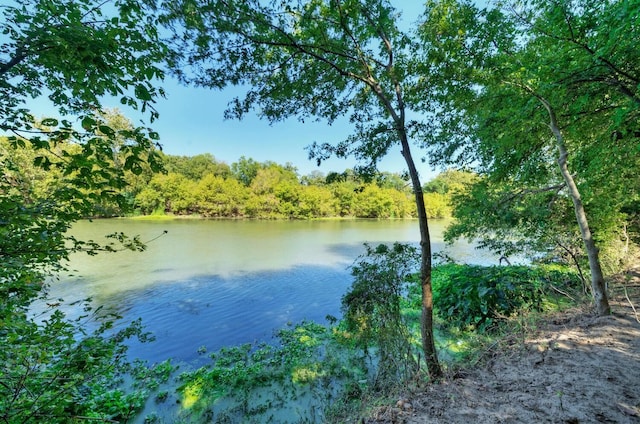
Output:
(88, 123)
(50, 122)
(107, 130)
(142, 93)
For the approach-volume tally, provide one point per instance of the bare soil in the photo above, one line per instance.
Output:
(576, 368)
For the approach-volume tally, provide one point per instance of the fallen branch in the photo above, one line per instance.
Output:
(632, 307)
(562, 292)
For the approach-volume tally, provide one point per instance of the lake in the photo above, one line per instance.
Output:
(213, 283)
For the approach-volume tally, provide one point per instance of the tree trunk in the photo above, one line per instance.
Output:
(598, 287)
(426, 322)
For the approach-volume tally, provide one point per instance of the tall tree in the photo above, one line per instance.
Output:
(528, 79)
(314, 60)
(73, 53)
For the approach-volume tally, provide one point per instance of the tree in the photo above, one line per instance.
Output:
(346, 195)
(314, 60)
(535, 84)
(219, 197)
(450, 181)
(245, 170)
(196, 167)
(178, 194)
(316, 202)
(375, 202)
(596, 102)
(75, 53)
(54, 369)
(314, 178)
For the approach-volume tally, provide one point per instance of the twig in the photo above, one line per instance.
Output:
(485, 353)
(632, 307)
(561, 292)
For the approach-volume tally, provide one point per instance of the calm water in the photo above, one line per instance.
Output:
(217, 283)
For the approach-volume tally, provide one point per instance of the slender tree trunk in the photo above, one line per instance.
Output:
(598, 287)
(426, 322)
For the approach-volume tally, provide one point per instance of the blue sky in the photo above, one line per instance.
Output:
(191, 122)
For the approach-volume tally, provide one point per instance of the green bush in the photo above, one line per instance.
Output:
(477, 296)
(372, 309)
(54, 370)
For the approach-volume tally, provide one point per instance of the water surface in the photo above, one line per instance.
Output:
(214, 283)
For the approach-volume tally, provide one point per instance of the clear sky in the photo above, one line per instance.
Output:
(191, 122)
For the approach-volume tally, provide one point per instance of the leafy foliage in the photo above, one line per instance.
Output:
(196, 167)
(508, 220)
(542, 102)
(310, 365)
(54, 171)
(276, 192)
(56, 370)
(76, 52)
(372, 309)
(479, 297)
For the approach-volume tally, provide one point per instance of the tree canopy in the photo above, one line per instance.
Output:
(56, 170)
(537, 97)
(318, 60)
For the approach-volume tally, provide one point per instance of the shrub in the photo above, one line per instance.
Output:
(477, 296)
(372, 308)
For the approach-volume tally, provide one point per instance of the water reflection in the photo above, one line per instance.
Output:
(215, 311)
(216, 283)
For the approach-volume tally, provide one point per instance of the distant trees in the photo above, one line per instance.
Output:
(440, 191)
(196, 167)
(273, 192)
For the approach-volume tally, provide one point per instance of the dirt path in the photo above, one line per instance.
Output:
(578, 369)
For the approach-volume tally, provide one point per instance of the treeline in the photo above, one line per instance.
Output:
(201, 185)
(249, 189)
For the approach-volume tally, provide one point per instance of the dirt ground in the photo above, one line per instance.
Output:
(578, 368)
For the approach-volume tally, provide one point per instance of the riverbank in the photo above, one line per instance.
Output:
(319, 373)
(170, 217)
(572, 367)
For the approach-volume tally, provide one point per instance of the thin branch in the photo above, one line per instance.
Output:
(632, 307)
(361, 57)
(383, 37)
(521, 193)
(562, 292)
(95, 8)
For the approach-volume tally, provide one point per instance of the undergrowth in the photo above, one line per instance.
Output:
(479, 310)
(338, 372)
